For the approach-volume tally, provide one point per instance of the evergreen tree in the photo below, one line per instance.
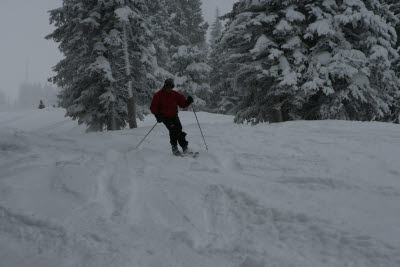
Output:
(165, 36)
(108, 60)
(134, 56)
(183, 48)
(191, 71)
(192, 24)
(350, 75)
(310, 59)
(264, 57)
(220, 101)
(394, 6)
(216, 27)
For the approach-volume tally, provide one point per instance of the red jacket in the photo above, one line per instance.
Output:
(167, 103)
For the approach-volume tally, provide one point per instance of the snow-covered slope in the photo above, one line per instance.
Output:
(323, 193)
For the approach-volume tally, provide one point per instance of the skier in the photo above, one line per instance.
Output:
(165, 108)
(41, 105)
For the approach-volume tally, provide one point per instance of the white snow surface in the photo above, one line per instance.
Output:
(321, 193)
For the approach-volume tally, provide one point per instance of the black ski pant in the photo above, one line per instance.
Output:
(176, 135)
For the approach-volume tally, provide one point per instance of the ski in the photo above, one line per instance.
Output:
(191, 154)
(188, 154)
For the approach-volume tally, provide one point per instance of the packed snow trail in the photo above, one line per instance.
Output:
(322, 193)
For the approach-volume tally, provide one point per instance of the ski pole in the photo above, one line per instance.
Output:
(147, 135)
(200, 128)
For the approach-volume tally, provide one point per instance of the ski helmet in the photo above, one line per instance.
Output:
(169, 82)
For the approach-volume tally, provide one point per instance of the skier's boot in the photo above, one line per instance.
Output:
(186, 150)
(176, 151)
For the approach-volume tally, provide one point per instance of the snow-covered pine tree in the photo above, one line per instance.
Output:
(310, 59)
(165, 36)
(84, 74)
(107, 58)
(216, 74)
(188, 49)
(221, 81)
(394, 6)
(179, 31)
(221, 100)
(216, 27)
(350, 74)
(194, 26)
(191, 71)
(264, 58)
(134, 56)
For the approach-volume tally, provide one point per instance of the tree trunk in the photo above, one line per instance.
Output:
(109, 123)
(276, 115)
(132, 112)
(112, 124)
(131, 95)
(94, 128)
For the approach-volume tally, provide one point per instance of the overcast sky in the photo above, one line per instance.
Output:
(23, 26)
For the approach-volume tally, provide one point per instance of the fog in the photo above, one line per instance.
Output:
(209, 7)
(23, 26)
(24, 53)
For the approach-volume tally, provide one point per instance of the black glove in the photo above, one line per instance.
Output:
(189, 100)
(159, 117)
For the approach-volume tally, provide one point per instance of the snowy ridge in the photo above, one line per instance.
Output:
(322, 193)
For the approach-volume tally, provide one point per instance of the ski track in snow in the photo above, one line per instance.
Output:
(321, 193)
